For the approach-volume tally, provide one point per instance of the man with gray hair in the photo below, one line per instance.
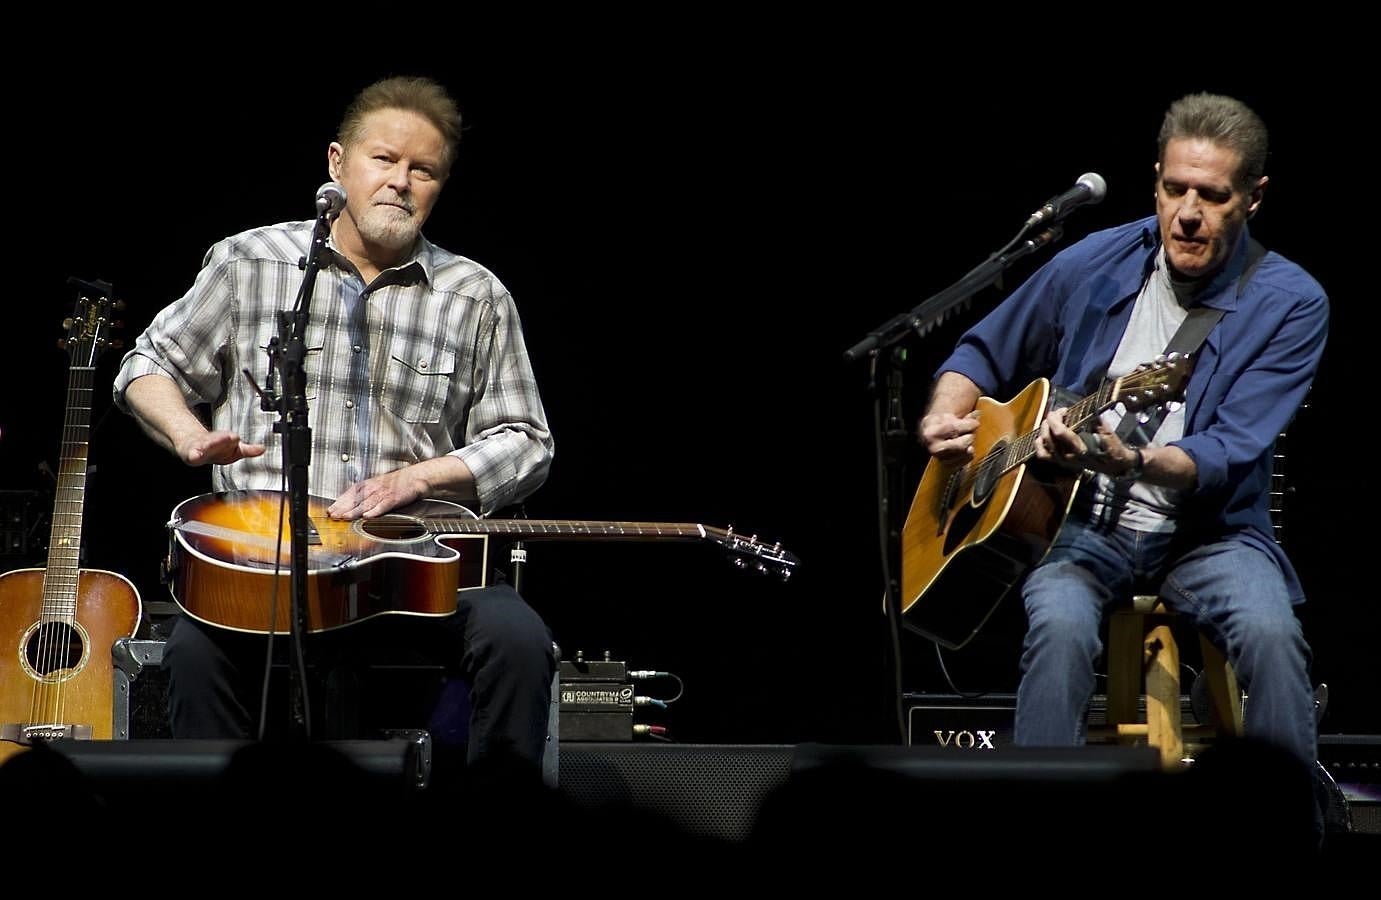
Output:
(419, 386)
(1183, 511)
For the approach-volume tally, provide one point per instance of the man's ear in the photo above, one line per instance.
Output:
(1254, 203)
(334, 154)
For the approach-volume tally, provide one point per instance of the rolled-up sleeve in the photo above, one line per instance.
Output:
(188, 340)
(1019, 339)
(507, 444)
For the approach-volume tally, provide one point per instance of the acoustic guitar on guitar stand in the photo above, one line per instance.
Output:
(58, 623)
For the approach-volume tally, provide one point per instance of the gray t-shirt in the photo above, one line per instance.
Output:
(1159, 310)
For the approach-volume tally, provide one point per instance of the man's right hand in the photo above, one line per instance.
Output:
(217, 448)
(947, 429)
(947, 437)
(158, 405)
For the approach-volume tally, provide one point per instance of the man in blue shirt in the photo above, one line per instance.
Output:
(1184, 511)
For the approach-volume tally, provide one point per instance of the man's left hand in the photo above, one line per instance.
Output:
(381, 494)
(1101, 451)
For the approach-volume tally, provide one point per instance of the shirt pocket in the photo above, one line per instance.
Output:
(418, 383)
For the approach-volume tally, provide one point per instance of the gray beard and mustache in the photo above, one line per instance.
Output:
(389, 226)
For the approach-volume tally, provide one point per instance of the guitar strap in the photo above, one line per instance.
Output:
(1186, 341)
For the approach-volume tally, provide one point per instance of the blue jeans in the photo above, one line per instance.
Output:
(1231, 590)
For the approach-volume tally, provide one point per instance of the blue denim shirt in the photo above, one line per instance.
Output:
(1251, 374)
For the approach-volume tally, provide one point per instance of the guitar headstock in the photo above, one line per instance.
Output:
(751, 553)
(92, 321)
(1154, 383)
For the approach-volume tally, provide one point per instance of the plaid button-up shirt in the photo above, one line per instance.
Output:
(427, 360)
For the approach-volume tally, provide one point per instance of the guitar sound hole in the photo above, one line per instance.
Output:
(988, 474)
(54, 646)
(392, 528)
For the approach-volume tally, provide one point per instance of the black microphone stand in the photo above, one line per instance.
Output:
(287, 355)
(890, 429)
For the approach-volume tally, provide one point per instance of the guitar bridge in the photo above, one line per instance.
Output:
(24, 733)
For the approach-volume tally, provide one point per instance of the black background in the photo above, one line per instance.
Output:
(696, 221)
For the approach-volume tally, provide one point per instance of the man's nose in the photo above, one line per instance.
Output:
(1190, 210)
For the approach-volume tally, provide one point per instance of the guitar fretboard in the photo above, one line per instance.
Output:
(64, 546)
(1021, 449)
(554, 528)
(1080, 414)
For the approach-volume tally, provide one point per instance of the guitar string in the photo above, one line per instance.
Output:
(52, 585)
(59, 603)
(75, 433)
(46, 693)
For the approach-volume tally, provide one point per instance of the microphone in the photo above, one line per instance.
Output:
(330, 200)
(1090, 188)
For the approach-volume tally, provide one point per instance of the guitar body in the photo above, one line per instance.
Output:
(56, 672)
(224, 548)
(962, 549)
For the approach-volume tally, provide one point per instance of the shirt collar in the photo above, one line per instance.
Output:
(1221, 290)
(420, 263)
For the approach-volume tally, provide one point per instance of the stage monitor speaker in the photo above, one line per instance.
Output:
(1002, 811)
(183, 770)
(1083, 765)
(193, 803)
(705, 790)
(720, 791)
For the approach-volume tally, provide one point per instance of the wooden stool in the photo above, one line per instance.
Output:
(1142, 651)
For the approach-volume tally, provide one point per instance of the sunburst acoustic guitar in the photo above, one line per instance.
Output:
(230, 551)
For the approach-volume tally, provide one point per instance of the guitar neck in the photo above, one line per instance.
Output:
(537, 529)
(1079, 415)
(60, 580)
(1091, 407)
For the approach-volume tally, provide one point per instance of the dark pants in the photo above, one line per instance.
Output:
(494, 641)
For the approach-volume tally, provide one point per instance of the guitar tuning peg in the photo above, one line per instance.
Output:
(740, 562)
(118, 305)
(67, 323)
